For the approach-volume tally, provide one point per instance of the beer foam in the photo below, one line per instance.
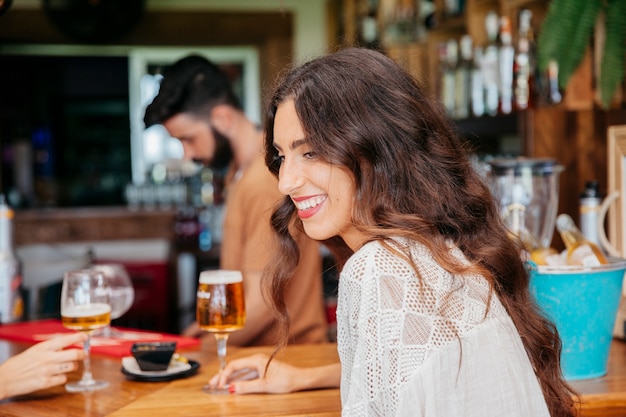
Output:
(94, 309)
(220, 276)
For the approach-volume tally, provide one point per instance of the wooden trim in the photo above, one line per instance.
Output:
(617, 184)
(91, 224)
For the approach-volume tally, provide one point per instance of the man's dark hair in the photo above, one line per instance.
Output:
(191, 85)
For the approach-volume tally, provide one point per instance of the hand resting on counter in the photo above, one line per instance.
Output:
(41, 366)
(242, 376)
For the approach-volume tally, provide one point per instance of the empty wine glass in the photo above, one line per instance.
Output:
(220, 310)
(122, 293)
(85, 307)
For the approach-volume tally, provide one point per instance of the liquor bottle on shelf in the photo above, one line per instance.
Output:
(449, 74)
(454, 7)
(463, 80)
(403, 21)
(506, 60)
(369, 32)
(477, 85)
(524, 67)
(554, 94)
(547, 85)
(490, 66)
(580, 251)
(11, 298)
(441, 69)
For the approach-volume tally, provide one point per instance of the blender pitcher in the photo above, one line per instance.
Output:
(527, 191)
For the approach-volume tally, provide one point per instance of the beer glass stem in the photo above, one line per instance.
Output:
(87, 378)
(86, 383)
(222, 339)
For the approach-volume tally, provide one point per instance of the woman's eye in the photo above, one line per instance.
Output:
(310, 155)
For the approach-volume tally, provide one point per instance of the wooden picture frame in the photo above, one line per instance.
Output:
(615, 202)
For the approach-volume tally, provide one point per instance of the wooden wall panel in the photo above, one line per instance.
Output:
(91, 224)
(577, 140)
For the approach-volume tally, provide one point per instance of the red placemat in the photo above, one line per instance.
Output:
(119, 345)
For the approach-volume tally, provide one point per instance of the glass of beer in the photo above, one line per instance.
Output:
(85, 298)
(220, 310)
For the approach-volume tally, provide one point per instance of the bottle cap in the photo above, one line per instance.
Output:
(591, 190)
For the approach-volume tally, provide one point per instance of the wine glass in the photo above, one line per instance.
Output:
(220, 310)
(122, 293)
(85, 307)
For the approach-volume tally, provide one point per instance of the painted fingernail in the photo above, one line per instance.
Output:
(231, 388)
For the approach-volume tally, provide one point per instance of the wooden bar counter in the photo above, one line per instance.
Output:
(124, 397)
(604, 396)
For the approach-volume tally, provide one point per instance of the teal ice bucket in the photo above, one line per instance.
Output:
(582, 302)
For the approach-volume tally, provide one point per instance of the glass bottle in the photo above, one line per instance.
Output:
(463, 80)
(506, 53)
(590, 202)
(515, 222)
(441, 66)
(369, 34)
(11, 300)
(554, 94)
(541, 255)
(478, 90)
(490, 66)
(454, 7)
(524, 66)
(449, 75)
(580, 251)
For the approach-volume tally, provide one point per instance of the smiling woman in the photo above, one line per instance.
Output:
(434, 313)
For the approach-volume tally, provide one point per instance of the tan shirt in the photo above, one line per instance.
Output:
(247, 246)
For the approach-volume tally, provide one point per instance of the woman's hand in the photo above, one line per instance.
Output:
(247, 376)
(41, 366)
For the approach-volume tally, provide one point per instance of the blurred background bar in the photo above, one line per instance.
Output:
(82, 173)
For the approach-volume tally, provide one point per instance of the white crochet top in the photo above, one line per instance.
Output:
(429, 350)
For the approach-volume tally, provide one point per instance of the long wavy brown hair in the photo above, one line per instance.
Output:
(414, 178)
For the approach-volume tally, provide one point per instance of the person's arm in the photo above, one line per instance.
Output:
(41, 366)
(242, 376)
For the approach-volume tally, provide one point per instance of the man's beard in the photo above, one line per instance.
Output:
(223, 152)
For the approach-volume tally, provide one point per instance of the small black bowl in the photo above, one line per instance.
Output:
(153, 356)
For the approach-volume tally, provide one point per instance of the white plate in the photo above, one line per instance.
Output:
(129, 363)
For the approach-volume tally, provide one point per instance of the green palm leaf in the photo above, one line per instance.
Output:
(612, 64)
(565, 35)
